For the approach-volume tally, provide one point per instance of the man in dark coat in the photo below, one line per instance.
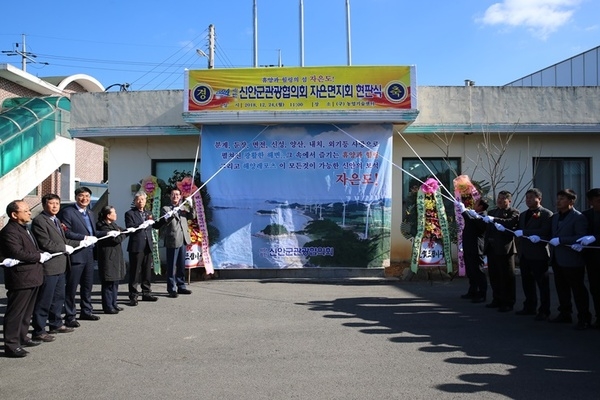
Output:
(473, 245)
(534, 257)
(592, 256)
(48, 232)
(568, 225)
(140, 250)
(501, 249)
(22, 280)
(80, 225)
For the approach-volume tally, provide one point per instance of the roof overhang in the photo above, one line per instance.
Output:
(29, 81)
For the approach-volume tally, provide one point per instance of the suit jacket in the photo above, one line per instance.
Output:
(539, 224)
(592, 256)
(501, 243)
(16, 243)
(111, 264)
(473, 234)
(571, 228)
(53, 241)
(76, 229)
(139, 239)
(175, 229)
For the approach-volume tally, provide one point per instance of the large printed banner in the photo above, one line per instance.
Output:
(298, 196)
(300, 88)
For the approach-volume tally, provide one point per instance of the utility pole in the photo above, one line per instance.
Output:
(211, 46)
(25, 56)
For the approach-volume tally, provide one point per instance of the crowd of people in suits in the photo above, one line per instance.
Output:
(540, 239)
(45, 265)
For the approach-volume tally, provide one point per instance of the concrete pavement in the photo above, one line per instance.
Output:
(309, 339)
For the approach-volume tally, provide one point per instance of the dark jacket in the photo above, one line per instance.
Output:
(52, 240)
(473, 234)
(568, 230)
(592, 256)
(139, 239)
(16, 243)
(539, 224)
(76, 229)
(501, 243)
(111, 264)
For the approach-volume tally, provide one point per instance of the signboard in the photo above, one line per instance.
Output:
(299, 196)
(356, 88)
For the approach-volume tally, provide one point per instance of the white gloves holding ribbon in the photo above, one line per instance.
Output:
(518, 233)
(147, 223)
(9, 262)
(554, 241)
(130, 230)
(69, 249)
(45, 256)
(88, 241)
(488, 219)
(576, 247)
(586, 240)
(113, 233)
(473, 213)
(460, 206)
(499, 227)
(534, 239)
(169, 214)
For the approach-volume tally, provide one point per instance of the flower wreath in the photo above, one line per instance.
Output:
(432, 223)
(152, 189)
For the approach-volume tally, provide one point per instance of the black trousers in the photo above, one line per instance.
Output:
(592, 267)
(501, 269)
(535, 273)
(571, 280)
(140, 272)
(474, 268)
(19, 308)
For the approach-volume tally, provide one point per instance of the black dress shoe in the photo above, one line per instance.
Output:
(184, 291)
(541, 316)
(44, 337)
(119, 308)
(525, 312)
(562, 319)
(89, 317)
(582, 325)
(133, 302)
(19, 352)
(493, 304)
(149, 297)
(480, 299)
(61, 329)
(505, 308)
(111, 311)
(173, 295)
(72, 324)
(32, 343)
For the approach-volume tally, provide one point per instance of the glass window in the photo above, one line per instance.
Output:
(553, 174)
(164, 169)
(445, 169)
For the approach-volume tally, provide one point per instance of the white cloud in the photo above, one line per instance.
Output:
(542, 17)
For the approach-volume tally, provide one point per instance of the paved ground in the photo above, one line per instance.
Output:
(352, 339)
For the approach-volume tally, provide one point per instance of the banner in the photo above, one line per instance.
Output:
(300, 88)
(294, 196)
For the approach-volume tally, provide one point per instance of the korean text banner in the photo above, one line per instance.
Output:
(299, 196)
(300, 88)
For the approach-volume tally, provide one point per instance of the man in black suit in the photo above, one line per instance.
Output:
(48, 232)
(568, 225)
(501, 249)
(22, 280)
(140, 250)
(80, 225)
(473, 245)
(592, 256)
(534, 257)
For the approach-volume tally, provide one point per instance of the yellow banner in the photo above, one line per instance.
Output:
(300, 88)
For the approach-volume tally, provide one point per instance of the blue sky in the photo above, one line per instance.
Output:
(149, 43)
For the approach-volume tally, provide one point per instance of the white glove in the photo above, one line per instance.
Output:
(84, 243)
(473, 213)
(150, 222)
(10, 262)
(554, 241)
(69, 249)
(488, 219)
(577, 247)
(130, 230)
(518, 233)
(460, 206)
(534, 238)
(113, 233)
(586, 240)
(499, 227)
(91, 239)
(45, 256)
(169, 214)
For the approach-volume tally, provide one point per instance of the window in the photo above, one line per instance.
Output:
(163, 169)
(553, 174)
(445, 169)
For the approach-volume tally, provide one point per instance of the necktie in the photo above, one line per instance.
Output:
(56, 223)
